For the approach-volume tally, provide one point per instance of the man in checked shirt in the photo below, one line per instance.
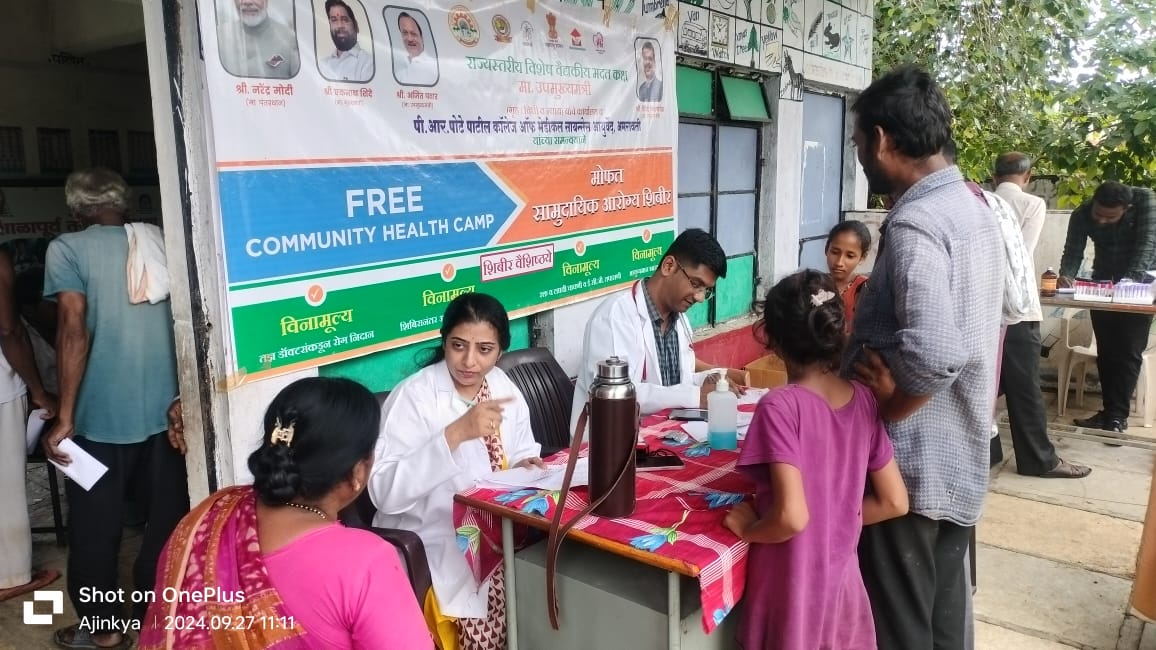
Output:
(1121, 221)
(932, 314)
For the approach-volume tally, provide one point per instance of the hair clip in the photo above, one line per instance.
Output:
(821, 296)
(282, 434)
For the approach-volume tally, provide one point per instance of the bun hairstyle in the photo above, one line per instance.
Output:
(802, 319)
(315, 431)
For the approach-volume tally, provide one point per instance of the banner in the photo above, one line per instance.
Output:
(375, 160)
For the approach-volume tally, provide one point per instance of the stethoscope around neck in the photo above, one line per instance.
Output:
(646, 323)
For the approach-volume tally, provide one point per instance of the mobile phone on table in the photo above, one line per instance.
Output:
(688, 415)
(653, 463)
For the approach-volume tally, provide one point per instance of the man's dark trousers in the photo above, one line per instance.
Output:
(1019, 382)
(1120, 342)
(95, 520)
(913, 568)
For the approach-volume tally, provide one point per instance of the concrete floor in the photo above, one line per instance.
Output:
(1056, 557)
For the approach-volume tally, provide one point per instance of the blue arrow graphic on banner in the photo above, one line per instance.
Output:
(284, 222)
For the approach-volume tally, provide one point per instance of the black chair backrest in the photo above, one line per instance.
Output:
(359, 514)
(548, 392)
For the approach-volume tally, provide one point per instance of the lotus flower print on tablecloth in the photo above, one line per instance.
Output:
(658, 537)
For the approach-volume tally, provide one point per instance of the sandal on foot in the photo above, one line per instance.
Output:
(74, 638)
(1067, 470)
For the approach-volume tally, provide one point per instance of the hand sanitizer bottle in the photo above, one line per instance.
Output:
(722, 416)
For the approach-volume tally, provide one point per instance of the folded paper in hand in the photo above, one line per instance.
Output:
(84, 469)
(34, 428)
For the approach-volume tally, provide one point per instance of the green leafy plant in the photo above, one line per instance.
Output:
(1065, 81)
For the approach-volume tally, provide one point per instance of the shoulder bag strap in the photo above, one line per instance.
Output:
(558, 530)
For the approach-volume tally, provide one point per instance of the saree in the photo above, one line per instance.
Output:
(213, 590)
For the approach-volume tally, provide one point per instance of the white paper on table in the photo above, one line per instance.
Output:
(697, 430)
(34, 428)
(543, 479)
(84, 469)
(752, 396)
(744, 419)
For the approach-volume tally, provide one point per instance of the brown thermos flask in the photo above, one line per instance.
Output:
(613, 435)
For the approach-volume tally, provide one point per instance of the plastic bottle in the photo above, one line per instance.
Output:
(722, 416)
(1049, 282)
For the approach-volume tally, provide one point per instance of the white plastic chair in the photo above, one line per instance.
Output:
(1072, 357)
(1145, 400)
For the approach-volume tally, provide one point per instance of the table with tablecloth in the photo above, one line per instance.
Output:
(677, 521)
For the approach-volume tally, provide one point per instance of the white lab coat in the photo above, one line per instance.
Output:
(415, 475)
(621, 327)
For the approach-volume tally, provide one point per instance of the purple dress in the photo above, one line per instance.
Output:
(807, 593)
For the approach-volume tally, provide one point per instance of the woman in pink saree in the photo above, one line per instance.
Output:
(269, 565)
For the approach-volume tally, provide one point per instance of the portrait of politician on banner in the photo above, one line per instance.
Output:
(415, 56)
(649, 62)
(344, 40)
(258, 38)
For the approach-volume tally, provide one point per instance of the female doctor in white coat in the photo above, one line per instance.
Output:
(454, 421)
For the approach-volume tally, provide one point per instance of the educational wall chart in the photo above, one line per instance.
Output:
(830, 40)
(379, 160)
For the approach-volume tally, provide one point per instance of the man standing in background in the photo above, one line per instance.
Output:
(18, 378)
(1020, 370)
(117, 375)
(1121, 222)
(928, 314)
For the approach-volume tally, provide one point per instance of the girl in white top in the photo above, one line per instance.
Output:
(454, 421)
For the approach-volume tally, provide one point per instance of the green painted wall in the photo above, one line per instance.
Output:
(384, 370)
(733, 296)
(735, 291)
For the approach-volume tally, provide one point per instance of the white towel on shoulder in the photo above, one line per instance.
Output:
(148, 273)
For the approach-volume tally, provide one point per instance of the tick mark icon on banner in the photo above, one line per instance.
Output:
(54, 597)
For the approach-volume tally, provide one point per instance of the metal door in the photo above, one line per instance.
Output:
(822, 175)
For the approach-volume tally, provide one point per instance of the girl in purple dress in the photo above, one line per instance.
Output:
(810, 448)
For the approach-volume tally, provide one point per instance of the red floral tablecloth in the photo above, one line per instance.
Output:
(678, 515)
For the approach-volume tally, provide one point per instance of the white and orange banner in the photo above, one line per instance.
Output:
(375, 159)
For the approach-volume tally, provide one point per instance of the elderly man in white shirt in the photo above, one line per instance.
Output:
(1020, 370)
(414, 67)
(348, 62)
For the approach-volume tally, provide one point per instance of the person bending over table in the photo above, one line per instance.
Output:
(287, 574)
(454, 421)
(647, 327)
(1121, 221)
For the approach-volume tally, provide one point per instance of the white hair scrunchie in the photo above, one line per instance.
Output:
(821, 296)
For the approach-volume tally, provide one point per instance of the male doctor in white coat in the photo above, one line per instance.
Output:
(647, 327)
